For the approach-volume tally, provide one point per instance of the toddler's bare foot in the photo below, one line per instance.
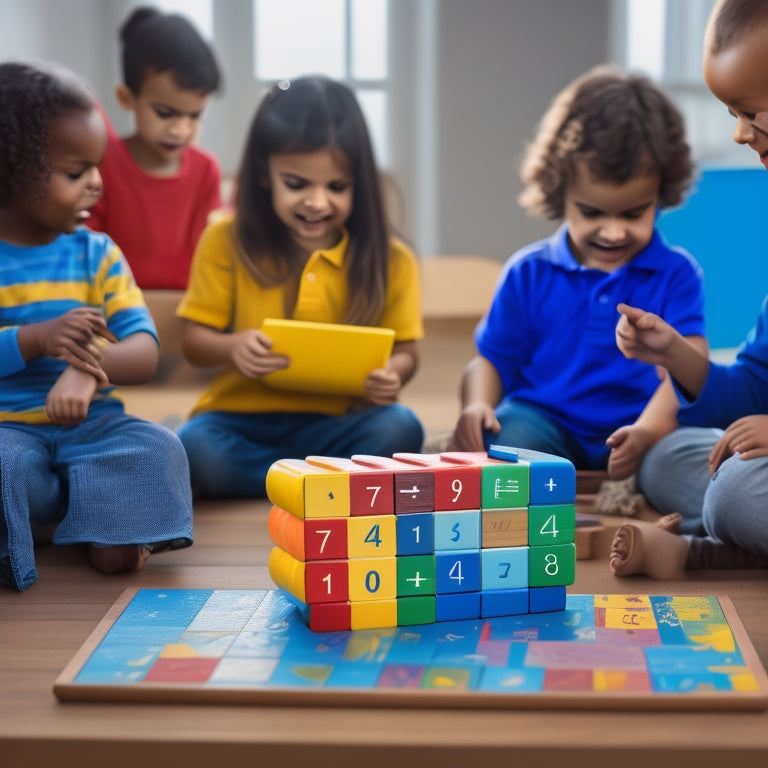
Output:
(654, 550)
(126, 557)
(670, 522)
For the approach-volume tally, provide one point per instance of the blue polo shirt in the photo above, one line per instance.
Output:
(550, 330)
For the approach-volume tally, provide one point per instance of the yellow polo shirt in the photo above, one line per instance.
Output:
(223, 295)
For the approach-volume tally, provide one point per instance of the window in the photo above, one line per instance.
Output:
(663, 38)
(343, 39)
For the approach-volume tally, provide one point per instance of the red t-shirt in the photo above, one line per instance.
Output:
(156, 221)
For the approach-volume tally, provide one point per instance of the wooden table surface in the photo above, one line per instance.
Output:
(42, 628)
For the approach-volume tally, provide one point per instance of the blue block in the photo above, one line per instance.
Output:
(552, 478)
(415, 534)
(457, 606)
(457, 571)
(457, 530)
(504, 568)
(544, 599)
(503, 602)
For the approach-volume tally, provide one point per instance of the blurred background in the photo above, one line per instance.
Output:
(453, 91)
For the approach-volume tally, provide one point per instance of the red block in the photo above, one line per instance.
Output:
(371, 491)
(457, 485)
(330, 617)
(326, 581)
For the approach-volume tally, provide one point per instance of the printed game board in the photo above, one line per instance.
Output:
(252, 646)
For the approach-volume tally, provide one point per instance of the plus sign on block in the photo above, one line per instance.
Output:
(410, 539)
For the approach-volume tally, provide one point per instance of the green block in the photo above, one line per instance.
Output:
(552, 566)
(416, 610)
(416, 575)
(551, 524)
(505, 485)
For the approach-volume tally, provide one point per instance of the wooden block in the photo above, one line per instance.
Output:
(326, 581)
(306, 490)
(504, 568)
(504, 527)
(373, 579)
(457, 606)
(457, 486)
(552, 566)
(415, 534)
(503, 602)
(504, 486)
(457, 571)
(371, 536)
(551, 524)
(457, 530)
(415, 575)
(552, 478)
(544, 599)
(373, 614)
(313, 539)
(330, 617)
(371, 491)
(414, 487)
(416, 610)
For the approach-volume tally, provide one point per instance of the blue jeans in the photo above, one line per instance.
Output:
(730, 506)
(230, 453)
(525, 426)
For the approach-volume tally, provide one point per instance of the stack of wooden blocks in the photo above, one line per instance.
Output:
(420, 538)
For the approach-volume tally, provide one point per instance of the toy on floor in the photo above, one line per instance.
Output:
(421, 538)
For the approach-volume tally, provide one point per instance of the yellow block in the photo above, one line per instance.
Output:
(288, 573)
(371, 536)
(372, 579)
(375, 613)
(306, 490)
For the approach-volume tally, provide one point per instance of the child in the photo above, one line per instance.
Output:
(158, 187)
(308, 241)
(73, 467)
(706, 480)
(608, 154)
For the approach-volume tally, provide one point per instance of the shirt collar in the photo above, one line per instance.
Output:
(336, 254)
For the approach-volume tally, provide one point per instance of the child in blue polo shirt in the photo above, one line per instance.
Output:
(609, 153)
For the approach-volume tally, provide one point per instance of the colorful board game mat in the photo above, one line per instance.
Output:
(252, 647)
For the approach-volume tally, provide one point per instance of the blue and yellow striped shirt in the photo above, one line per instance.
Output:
(39, 283)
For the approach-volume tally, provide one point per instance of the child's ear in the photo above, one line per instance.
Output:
(125, 97)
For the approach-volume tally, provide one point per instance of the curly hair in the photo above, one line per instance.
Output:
(620, 125)
(31, 96)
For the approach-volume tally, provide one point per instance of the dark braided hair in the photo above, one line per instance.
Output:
(31, 96)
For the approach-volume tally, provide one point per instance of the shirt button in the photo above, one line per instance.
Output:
(311, 277)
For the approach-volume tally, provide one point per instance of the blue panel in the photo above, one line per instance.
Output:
(457, 530)
(722, 223)
(457, 606)
(504, 568)
(457, 571)
(503, 602)
(543, 599)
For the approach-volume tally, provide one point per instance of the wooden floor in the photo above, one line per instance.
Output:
(42, 628)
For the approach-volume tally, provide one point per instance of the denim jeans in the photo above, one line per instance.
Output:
(525, 426)
(230, 453)
(730, 506)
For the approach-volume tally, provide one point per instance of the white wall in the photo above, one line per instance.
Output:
(471, 78)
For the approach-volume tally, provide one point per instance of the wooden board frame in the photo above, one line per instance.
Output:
(741, 666)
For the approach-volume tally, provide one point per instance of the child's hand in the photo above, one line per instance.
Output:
(628, 446)
(468, 434)
(747, 436)
(69, 398)
(643, 336)
(71, 338)
(383, 386)
(252, 355)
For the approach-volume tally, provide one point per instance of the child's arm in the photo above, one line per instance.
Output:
(248, 351)
(69, 398)
(481, 392)
(132, 360)
(383, 385)
(69, 337)
(644, 336)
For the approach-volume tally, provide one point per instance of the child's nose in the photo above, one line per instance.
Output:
(316, 198)
(613, 230)
(93, 180)
(744, 133)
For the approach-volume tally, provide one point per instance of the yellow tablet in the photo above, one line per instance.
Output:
(326, 358)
